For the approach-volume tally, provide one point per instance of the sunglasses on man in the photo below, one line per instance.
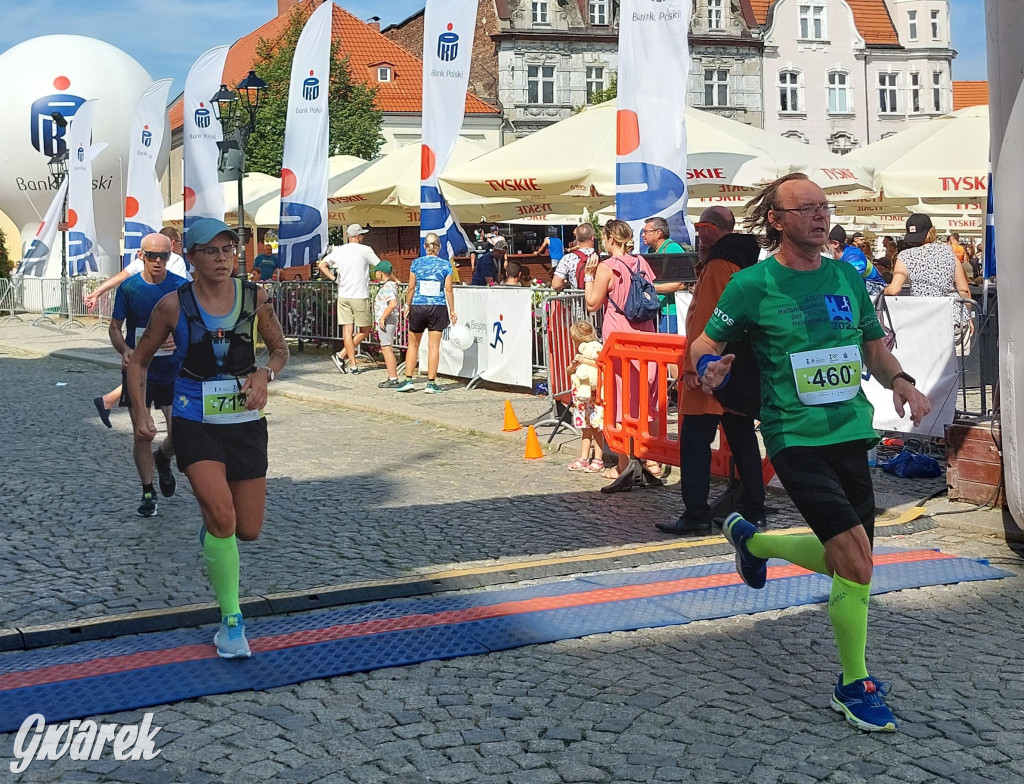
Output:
(156, 255)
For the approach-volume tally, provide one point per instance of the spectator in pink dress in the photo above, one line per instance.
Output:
(605, 284)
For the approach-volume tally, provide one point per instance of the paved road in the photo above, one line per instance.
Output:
(356, 495)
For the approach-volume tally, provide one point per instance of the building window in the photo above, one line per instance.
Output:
(716, 18)
(598, 12)
(789, 91)
(716, 87)
(915, 93)
(887, 92)
(595, 80)
(912, 24)
(812, 21)
(383, 74)
(540, 11)
(839, 100)
(937, 91)
(840, 143)
(935, 25)
(540, 84)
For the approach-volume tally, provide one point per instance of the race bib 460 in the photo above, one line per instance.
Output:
(828, 375)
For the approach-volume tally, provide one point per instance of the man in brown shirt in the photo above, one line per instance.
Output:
(722, 253)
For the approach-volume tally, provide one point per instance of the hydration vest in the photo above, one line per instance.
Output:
(201, 362)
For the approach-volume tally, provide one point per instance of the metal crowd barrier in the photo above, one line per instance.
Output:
(11, 299)
(978, 358)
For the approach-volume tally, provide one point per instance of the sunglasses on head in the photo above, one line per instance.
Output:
(156, 255)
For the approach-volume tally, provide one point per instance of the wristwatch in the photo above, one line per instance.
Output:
(270, 372)
(906, 377)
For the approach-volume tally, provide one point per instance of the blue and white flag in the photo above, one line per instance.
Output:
(990, 234)
(38, 254)
(144, 201)
(302, 230)
(448, 27)
(81, 212)
(204, 197)
(650, 175)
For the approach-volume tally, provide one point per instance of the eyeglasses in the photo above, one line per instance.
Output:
(212, 252)
(703, 225)
(156, 255)
(809, 210)
(649, 231)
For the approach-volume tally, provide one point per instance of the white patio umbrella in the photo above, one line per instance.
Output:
(943, 159)
(576, 158)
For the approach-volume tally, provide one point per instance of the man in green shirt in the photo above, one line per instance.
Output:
(657, 237)
(813, 330)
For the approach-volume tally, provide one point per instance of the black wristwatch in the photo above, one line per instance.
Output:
(906, 377)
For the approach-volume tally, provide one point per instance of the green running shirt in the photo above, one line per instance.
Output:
(789, 311)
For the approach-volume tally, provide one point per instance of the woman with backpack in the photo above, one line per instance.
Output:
(617, 285)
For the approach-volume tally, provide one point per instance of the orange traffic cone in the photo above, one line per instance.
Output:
(533, 448)
(511, 422)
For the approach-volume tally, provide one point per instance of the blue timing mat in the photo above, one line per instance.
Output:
(95, 678)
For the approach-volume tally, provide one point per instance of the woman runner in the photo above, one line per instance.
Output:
(218, 429)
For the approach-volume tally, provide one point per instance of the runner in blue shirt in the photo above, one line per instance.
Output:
(133, 305)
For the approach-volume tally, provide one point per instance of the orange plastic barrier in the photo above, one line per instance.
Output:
(641, 393)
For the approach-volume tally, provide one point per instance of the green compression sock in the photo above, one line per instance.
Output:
(222, 569)
(801, 549)
(848, 611)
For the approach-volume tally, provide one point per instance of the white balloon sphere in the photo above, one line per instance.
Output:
(59, 73)
(460, 336)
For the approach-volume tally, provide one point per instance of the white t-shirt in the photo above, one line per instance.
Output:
(352, 263)
(175, 265)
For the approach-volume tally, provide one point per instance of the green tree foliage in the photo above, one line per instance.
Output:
(5, 259)
(609, 93)
(354, 121)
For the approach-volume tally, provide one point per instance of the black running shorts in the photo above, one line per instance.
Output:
(156, 394)
(428, 317)
(241, 447)
(830, 486)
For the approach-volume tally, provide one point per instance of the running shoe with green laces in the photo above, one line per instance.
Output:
(752, 570)
(432, 388)
(230, 638)
(406, 386)
(863, 704)
(164, 473)
(148, 506)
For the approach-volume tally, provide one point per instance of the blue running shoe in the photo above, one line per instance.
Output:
(863, 704)
(230, 638)
(753, 570)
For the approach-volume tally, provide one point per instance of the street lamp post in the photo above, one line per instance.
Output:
(236, 110)
(58, 165)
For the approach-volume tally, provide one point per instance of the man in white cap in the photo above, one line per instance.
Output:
(349, 266)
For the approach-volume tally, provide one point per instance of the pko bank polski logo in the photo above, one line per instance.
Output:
(82, 740)
(147, 136)
(81, 154)
(46, 134)
(202, 117)
(448, 45)
(311, 87)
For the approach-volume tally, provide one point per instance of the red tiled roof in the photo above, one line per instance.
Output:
(870, 16)
(969, 94)
(363, 45)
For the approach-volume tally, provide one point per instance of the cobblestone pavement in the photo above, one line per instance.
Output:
(744, 699)
(357, 495)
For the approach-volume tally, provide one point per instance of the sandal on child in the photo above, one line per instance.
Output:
(579, 465)
(595, 466)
